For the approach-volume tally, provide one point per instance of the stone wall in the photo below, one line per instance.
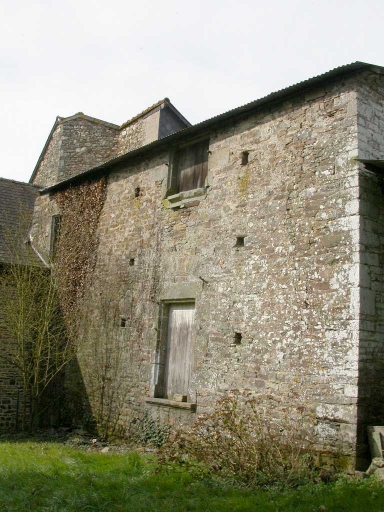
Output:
(131, 137)
(151, 126)
(10, 382)
(370, 94)
(85, 144)
(292, 290)
(79, 143)
(48, 168)
(371, 249)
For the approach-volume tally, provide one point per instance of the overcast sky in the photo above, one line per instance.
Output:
(112, 59)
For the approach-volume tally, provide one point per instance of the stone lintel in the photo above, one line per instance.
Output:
(181, 291)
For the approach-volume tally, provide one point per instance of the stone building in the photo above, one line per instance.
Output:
(239, 255)
(16, 211)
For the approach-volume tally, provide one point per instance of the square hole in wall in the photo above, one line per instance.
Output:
(244, 157)
(131, 262)
(123, 322)
(237, 338)
(240, 241)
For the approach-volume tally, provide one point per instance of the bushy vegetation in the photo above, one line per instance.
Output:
(47, 477)
(238, 442)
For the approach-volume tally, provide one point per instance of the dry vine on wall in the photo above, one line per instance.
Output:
(80, 209)
(106, 349)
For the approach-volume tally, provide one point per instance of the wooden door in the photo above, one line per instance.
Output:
(179, 349)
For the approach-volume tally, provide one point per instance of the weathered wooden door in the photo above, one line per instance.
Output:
(179, 349)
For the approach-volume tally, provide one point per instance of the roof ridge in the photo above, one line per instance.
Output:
(353, 66)
(146, 111)
(81, 115)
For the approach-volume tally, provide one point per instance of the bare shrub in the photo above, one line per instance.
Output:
(238, 442)
(36, 343)
(39, 346)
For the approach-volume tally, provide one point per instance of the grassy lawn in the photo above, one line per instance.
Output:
(54, 477)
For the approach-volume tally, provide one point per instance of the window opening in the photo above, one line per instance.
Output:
(240, 241)
(55, 231)
(123, 322)
(131, 262)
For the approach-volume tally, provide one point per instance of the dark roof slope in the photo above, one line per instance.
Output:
(213, 122)
(16, 209)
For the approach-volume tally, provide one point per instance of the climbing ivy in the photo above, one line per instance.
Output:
(80, 209)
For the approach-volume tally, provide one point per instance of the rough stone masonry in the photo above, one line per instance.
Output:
(269, 262)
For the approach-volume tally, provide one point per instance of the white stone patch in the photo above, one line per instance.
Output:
(352, 207)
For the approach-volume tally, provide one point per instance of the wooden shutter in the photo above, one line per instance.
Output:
(179, 349)
(192, 165)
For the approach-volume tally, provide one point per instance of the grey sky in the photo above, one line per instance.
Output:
(113, 59)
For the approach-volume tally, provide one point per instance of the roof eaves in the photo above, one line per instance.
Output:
(218, 120)
(294, 89)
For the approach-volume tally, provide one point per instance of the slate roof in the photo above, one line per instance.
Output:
(16, 209)
(214, 122)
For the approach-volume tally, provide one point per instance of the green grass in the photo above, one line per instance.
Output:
(53, 477)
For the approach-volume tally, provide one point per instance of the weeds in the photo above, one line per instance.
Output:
(237, 442)
(151, 431)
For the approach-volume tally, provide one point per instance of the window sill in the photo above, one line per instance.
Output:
(186, 198)
(164, 402)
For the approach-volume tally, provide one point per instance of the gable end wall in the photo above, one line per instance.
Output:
(48, 169)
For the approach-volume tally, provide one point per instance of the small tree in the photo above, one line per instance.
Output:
(39, 346)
